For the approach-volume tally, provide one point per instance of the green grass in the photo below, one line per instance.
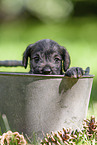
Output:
(85, 136)
(78, 35)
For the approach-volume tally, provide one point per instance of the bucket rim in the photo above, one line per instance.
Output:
(23, 74)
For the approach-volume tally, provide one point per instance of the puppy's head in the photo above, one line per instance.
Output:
(46, 57)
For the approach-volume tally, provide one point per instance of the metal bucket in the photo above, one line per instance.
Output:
(43, 103)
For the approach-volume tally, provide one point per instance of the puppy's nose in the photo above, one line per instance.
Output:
(46, 70)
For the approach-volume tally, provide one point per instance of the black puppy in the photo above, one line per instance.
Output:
(48, 57)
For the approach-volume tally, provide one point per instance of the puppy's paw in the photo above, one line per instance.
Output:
(87, 71)
(74, 72)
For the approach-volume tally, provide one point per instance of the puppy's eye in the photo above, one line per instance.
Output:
(36, 59)
(57, 59)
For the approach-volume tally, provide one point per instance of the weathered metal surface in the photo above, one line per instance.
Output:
(11, 63)
(41, 104)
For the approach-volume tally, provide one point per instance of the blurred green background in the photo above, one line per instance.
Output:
(71, 23)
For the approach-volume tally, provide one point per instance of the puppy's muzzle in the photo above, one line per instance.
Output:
(47, 70)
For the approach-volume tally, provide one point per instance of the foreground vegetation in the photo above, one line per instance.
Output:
(86, 136)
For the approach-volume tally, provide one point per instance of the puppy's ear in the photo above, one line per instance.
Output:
(26, 54)
(66, 58)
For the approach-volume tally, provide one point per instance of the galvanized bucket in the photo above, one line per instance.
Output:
(43, 103)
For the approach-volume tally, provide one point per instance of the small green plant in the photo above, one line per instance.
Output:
(86, 136)
(12, 138)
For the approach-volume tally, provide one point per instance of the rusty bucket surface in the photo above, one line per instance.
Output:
(43, 103)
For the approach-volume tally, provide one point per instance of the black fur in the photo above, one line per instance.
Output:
(48, 57)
